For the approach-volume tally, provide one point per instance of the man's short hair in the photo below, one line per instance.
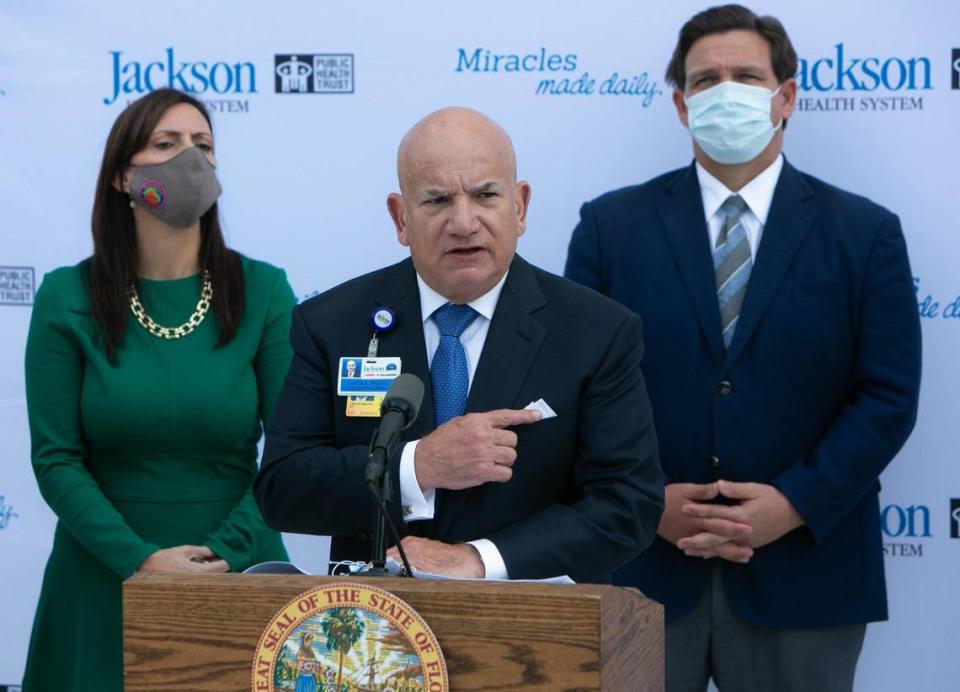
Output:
(719, 20)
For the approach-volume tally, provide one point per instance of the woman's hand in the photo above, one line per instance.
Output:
(184, 558)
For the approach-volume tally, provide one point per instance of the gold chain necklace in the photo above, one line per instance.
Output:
(136, 307)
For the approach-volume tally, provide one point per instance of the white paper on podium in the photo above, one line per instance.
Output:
(395, 568)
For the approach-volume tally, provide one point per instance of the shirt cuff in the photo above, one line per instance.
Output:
(493, 563)
(417, 505)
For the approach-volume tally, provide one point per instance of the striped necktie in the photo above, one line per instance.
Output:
(731, 265)
(448, 371)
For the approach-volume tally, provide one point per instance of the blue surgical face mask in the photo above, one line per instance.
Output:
(731, 121)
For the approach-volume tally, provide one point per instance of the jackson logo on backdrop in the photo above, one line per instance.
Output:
(847, 79)
(319, 73)
(954, 517)
(955, 69)
(223, 84)
(905, 528)
(17, 285)
(348, 636)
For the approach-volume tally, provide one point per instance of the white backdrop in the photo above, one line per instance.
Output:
(306, 174)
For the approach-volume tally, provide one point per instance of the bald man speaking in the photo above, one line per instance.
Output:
(487, 487)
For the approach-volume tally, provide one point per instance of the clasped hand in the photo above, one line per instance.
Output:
(184, 558)
(704, 529)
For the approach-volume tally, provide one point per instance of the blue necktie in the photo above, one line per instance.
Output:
(732, 265)
(448, 372)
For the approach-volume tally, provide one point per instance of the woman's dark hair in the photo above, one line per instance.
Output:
(113, 267)
(719, 20)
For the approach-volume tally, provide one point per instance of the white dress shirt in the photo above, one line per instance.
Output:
(758, 194)
(416, 504)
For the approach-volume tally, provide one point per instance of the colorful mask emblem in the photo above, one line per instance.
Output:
(153, 194)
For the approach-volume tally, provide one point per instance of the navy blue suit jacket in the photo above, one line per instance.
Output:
(820, 382)
(586, 492)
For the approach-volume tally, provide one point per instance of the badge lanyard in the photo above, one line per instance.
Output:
(383, 320)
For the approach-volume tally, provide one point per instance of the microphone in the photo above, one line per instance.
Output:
(397, 412)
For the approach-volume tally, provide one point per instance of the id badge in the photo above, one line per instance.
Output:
(366, 377)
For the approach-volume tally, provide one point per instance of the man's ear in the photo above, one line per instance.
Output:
(395, 207)
(521, 199)
(788, 96)
(680, 106)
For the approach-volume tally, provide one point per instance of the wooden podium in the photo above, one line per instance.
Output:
(200, 632)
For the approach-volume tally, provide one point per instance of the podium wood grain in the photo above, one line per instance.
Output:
(199, 632)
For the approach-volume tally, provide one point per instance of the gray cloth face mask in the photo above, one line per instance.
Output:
(178, 191)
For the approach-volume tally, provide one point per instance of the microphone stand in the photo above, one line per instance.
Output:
(382, 492)
(398, 411)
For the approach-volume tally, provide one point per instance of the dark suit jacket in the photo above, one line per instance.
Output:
(816, 394)
(586, 493)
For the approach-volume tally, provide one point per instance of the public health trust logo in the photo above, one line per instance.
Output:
(320, 73)
(17, 285)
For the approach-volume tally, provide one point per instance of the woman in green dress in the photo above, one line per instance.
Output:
(144, 437)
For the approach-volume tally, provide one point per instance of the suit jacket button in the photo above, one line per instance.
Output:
(724, 388)
(714, 462)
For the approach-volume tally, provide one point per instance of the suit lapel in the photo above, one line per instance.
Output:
(512, 344)
(791, 216)
(686, 229)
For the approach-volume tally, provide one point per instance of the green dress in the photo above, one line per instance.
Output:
(157, 451)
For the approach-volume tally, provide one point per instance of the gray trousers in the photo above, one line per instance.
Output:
(712, 642)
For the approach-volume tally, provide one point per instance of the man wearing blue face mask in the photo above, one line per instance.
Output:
(783, 365)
